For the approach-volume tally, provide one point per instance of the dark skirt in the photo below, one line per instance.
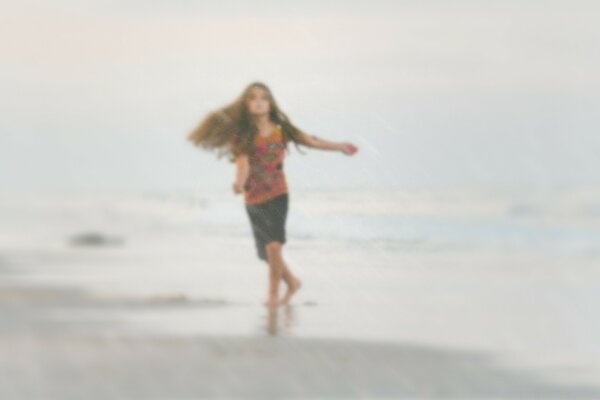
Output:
(267, 220)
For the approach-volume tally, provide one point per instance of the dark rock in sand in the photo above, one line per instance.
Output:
(95, 239)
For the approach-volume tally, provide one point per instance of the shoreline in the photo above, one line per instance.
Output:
(103, 360)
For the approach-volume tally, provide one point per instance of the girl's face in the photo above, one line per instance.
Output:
(258, 101)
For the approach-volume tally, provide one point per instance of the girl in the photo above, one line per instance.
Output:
(254, 133)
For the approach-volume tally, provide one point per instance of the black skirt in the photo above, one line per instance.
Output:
(267, 220)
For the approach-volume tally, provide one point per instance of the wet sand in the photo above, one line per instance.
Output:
(44, 357)
(172, 313)
(76, 366)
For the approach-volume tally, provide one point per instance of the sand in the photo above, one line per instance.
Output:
(170, 312)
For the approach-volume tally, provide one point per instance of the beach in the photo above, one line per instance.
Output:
(406, 294)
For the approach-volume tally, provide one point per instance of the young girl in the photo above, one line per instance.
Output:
(254, 133)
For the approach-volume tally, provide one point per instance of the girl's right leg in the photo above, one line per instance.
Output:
(275, 263)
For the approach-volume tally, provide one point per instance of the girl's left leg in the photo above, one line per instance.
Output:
(287, 275)
(275, 257)
(292, 282)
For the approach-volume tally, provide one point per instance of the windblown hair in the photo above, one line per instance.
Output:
(230, 130)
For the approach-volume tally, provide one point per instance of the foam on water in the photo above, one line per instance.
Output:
(564, 221)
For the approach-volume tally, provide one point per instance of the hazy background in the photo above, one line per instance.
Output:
(128, 268)
(100, 95)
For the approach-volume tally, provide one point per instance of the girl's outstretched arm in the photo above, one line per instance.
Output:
(318, 143)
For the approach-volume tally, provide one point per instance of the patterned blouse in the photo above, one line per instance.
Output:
(266, 179)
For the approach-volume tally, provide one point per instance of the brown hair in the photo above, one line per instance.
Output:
(230, 131)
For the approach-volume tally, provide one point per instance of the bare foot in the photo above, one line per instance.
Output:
(291, 290)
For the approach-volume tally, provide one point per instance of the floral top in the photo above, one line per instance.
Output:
(266, 179)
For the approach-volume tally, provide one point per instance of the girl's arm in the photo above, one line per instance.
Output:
(241, 173)
(318, 143)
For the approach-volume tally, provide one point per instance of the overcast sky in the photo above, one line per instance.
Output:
(102, 94)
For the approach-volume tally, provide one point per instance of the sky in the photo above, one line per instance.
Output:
(101, 94)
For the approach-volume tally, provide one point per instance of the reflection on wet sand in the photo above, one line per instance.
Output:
(104, 359)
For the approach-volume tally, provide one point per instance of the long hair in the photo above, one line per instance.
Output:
(230, 130)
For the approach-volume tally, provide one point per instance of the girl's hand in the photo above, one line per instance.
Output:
(348, 148)
(238, 187)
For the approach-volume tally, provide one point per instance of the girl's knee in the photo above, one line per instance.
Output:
(272, 247)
